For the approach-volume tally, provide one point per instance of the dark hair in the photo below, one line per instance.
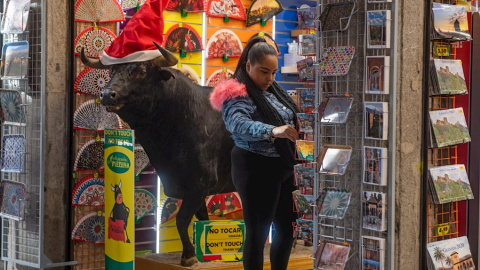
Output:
(256, 50)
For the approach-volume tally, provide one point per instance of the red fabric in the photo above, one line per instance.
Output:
(116, 230)
(144, 27)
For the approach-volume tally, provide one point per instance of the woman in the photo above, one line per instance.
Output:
(261, 117)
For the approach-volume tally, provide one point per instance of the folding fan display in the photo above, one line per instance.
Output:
(91, 81)
(219, 76)
(231, 8)
(185, 5)
(91, 228)
(263, 10)
(222, 204)
(129, 4)
(94, 41)
(89, 191)
(14, 20)
(269, 40)
(99, 11)
(145, 203)
(12, 109)
(169, 209)
(190, 73)
(182, 38)
(141, 159)
(224, 42)
(12, 200)
(13, 152)
(90, 156)
(93, 116)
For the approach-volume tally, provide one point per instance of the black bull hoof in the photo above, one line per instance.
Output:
(188, 262)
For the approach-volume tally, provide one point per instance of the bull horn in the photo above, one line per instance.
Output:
(167, 59)
(93, 63)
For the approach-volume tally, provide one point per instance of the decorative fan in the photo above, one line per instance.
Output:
(90, 156)
(89, 191)
(190, 73)
(145, 203)
(185, 5)
(124, 124)
(129, 4)
(336, 61)
(13, 152)
(92, 81)
(93, 116)
(219, 76)
(91, 228)
(169, 209)
(12, 200)
(269, 40)
(141, 159)
(333, 203)
(12, 111)
(223, 203)
(224, 42)
(262, 10)
(94, 41)
(231, 8)
(99, 11)
(182, 38)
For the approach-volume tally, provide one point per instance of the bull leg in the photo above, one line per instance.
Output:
(128, 240)
(190, 205)
(202, 213)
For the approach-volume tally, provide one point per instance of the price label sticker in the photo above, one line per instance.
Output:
(443, 229)
(224, 69)
(442, 50)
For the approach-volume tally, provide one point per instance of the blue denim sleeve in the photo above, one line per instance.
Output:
(237, 115)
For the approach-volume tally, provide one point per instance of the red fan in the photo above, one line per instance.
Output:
(91, 81)
(263, 10)
(224, 42)
(232, 8)
(221, 204)
(218, 76)
(269, 40)
(185, 5)
(100, 11)
(94, 41)
(182, 38)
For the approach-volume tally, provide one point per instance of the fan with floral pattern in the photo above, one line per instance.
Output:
(89, 191)
(145, 203)
(91, 81)
(333, 203)
(94, 41)
(93, 116)
(91, 228)
(13, 152)
(12, 200)
(12, 109)
(141, 159)
(98, 11)
(129, 4)
(90, 156)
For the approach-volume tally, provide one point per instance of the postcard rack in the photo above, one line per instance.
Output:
(442, 221)
(353, 228)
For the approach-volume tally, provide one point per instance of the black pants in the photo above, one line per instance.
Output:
(265, 186)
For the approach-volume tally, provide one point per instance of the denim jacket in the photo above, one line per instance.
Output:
(243, 120)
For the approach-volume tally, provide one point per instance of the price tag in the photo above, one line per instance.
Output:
(312, 31)
(261, 34)
(95, 175)
(443, 229)
(180, 25)
(225, 70)
(179, 65)
(442, 50)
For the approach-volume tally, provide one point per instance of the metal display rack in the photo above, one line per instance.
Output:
(352, 133)
(23, 241)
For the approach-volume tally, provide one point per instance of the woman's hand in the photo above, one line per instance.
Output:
(285, 131)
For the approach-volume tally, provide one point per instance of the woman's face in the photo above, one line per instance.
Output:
(263, 72)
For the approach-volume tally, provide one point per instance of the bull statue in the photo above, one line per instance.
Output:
(184, 137)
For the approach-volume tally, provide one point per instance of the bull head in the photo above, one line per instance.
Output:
(129, 77)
